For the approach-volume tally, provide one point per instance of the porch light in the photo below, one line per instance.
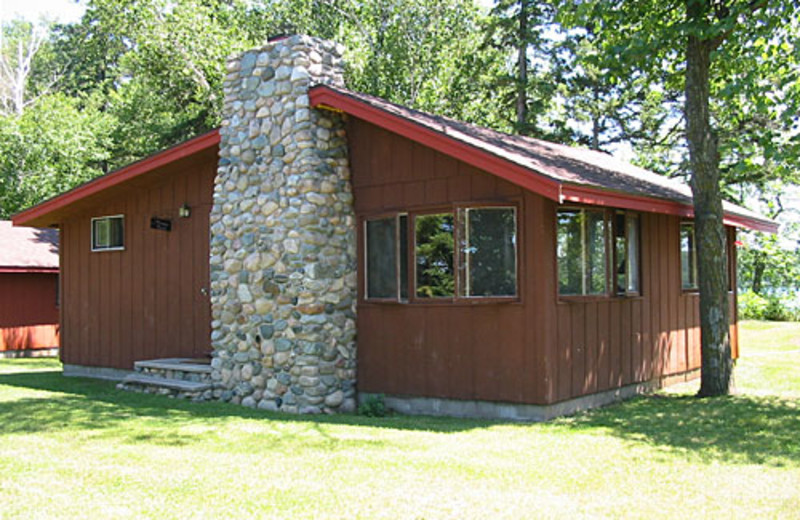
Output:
(184, 211)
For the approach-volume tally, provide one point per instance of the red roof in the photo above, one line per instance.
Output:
(27, 249)
(559, 172)
(37, 214)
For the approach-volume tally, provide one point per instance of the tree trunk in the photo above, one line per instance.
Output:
(717, 365)
(759, 265)
(522, 65)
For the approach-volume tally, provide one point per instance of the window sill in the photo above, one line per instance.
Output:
(599, 298)
(443, 302)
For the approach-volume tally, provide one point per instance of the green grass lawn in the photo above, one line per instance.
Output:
(78, 448)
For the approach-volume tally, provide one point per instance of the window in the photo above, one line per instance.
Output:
(597, 251)
(387, 259)
(488, 252)
(581, 252)
(688, 257)
(433, 250)
(626, 253)
(108, 233)
(469, 252)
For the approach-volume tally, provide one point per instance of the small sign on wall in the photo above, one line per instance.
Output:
(161, 224)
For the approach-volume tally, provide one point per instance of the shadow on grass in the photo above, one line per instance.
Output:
(738, 429)
(81, 403)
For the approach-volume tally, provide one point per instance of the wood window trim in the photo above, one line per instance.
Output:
(610, 292)
(411, 213)
(95, 249)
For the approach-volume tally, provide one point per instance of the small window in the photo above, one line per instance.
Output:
(688, 257)
(582, 252)
(386, 246)
(626, 253)
(488, 259)
(108, 233)
(434, 247)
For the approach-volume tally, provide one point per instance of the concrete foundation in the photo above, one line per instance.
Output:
(29, 353)
(112, 374)
(412, 405)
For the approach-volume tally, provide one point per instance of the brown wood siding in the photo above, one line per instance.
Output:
(537, 350)
(146, 301)
(28, 311)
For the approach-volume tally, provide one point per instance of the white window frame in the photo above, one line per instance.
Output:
(97, 249)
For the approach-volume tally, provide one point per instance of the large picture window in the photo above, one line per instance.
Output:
(488, 252)
(108, 233)
(688, 257)
(470, 252)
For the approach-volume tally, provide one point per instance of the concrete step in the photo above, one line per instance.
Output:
(162, 382)
(175, 364)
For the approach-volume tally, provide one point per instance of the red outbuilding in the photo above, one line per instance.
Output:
(29, 295)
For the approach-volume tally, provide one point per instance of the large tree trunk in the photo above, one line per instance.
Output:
(717, 365)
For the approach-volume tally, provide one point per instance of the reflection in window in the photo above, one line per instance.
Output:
(581, 250)
(626, 252)
(488, 251)
(108, 233)
(387, 257)
(688, 256)
(633, 254)
(382, 258)
(434, 255)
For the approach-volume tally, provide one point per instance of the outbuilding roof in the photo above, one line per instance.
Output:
(24, 249)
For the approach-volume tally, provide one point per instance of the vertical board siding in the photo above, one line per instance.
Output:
(537, 350)
(486, 351)
(145, 301)
(28, 311)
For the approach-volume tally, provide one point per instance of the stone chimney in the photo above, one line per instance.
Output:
(283, 246)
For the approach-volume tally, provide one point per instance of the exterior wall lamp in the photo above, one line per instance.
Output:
(184, 211)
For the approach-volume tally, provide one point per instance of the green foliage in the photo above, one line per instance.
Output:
(755, 307)
(54, 145)
(434, 255)
(769, 264)
(373, 406)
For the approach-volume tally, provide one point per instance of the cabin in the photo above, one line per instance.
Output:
(323, 246)
(29, 304)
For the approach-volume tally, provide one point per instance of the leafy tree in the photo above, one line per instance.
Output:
(526, 35)
(716, 58)
(20, 44)
(53, 146)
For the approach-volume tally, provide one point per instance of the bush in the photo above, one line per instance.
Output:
(373, 406)
(756, 307)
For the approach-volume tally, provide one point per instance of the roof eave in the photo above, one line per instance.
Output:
(29, 216)
(24, 269)
(324, 97)
(598, 197)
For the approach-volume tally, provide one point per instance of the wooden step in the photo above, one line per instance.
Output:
(176, 364)
(162, 382)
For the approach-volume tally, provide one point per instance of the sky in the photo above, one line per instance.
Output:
(58, 10)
